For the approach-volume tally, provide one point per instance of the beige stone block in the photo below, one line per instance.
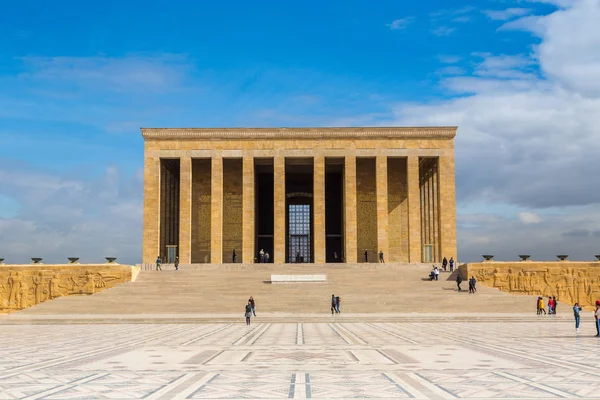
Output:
(381, 180)
(249, 211)
(185, 210)
(414, 209)
(447, 207)
(279, 210)
(151, 241)
(350, 235)
(366, 209)
(216, 220)
(319, 208)
(232, 209)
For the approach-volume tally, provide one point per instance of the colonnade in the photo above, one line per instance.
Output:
(444, 202)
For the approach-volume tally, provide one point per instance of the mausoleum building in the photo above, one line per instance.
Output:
(311, 195)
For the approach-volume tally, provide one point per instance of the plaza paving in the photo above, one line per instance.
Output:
(457, 356)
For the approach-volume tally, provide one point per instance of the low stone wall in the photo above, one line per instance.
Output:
(569, 281)
(23, 286)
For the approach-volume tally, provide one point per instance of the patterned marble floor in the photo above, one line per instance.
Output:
(539, 359)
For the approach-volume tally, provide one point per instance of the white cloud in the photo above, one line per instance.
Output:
(443, 30)
(401, 24)
(529, 218)
(507, 14)
(64, 216)
(448, 59)
(528, 137)
(131, 73)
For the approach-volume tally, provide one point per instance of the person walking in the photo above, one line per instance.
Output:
(261, 255)
(451, 264)
(335, 256)
(550, 305)
(233, 256)
(458, 282)
(333, 304)
(577, 314)
(366, 256)
(445, 263)
(158, 262)
(597, 317)
(555, 304)
(267, 256)
(473, 283)
(253, 305)
(541, 305)
(381, 260)
(436, 273)
(337, 304)
(176, 263)
(248, 313)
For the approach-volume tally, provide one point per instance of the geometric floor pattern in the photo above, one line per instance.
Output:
(533, 359)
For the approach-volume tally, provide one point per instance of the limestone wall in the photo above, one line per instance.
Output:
(23, 286)
(569, 281)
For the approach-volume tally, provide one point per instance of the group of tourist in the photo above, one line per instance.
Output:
(250, 310)
(552, 303)
(446, 263)
(577, 314)
(381, 257)
(335, 304)
(159, 264)
(263, 256)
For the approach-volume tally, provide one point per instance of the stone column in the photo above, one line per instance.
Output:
(447, 207)
(381, 179)
(185, 210)
(248, 211)
(350, 235)
(414, 210)
(279, 210)
(319, 208)
(151, 242)
(216, 210)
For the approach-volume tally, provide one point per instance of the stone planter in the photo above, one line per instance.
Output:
(110, 260)
(597, 258)
(1, 260)
(73, 260)
(36, 260)
(487, 257)
(524, 257)
(562, 257)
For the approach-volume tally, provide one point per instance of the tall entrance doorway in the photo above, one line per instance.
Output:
(299, 207)
(299, 237)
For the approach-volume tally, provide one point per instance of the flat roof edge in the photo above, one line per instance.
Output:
(430, 132)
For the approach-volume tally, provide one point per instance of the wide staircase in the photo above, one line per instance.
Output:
(225, 289)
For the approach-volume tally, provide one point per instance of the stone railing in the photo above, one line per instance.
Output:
(568, 281)
(23, 286)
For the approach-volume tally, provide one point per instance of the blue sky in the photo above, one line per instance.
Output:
(79, 80)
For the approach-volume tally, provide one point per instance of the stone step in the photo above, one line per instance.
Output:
(397, 288)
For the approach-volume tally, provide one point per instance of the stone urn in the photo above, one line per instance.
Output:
(524, 257)
(110, 260)
(597, 258)
(36, 260)
(487, 257)
(562, 257)
(73, 260)
(1, 260)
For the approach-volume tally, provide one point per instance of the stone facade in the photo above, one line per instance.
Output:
(23, 286)
(398, 191)
(568, 281)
